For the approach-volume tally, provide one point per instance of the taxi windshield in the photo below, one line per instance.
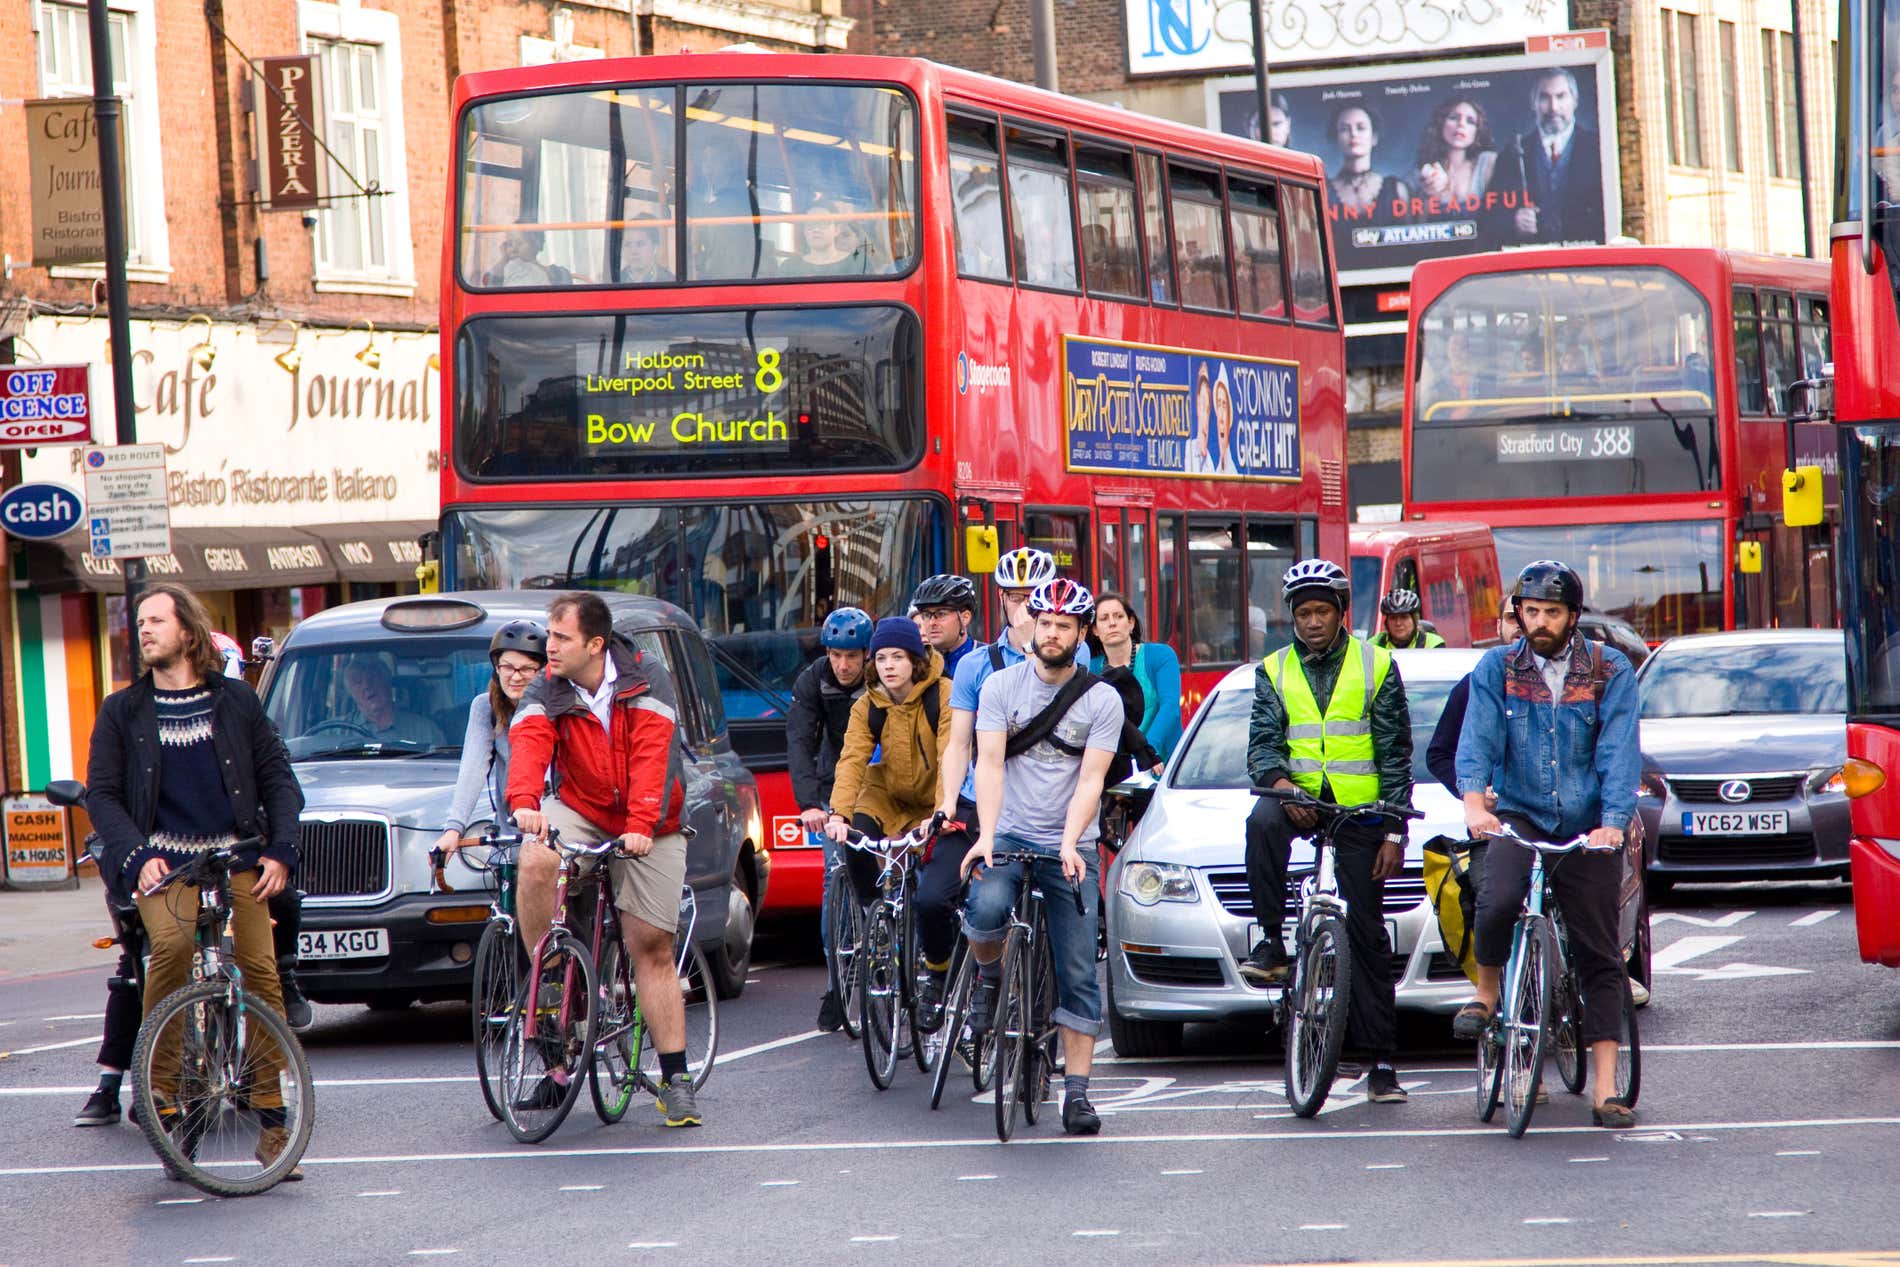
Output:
(386, 697)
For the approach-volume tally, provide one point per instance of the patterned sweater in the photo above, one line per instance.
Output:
(194, 811)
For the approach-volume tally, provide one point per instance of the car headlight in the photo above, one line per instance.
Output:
(1831, 779)
(1151, 882)
(1652, 785)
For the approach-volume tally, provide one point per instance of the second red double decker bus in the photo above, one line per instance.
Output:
(764, 335)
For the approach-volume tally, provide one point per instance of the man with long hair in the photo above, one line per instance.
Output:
(184, 761)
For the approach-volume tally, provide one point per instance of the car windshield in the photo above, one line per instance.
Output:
(1425, 699)
(387, 697)
(1365, 592)
(1688, 679)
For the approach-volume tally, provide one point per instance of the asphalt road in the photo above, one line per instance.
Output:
(1770, 1104)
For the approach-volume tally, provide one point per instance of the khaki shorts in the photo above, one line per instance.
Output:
(646, 888)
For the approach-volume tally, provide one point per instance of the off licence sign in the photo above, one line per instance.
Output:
(36, 840)
(45, 404)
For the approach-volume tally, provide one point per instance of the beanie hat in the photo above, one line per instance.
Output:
(896, 631)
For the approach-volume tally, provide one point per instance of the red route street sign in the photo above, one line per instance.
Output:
(45, 404)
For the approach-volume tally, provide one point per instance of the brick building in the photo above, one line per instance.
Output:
(1703, 116)
(285, 358)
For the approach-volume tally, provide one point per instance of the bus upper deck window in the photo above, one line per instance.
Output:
(1111, 249)
(976, 190)
(1200, 240)
(1253, 216)
(1312, 295)
(1042, 215)
(1154, 231)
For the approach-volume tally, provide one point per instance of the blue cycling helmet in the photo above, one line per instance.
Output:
(847, 629)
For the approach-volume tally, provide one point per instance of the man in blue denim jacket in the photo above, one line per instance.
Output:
(1551, 728)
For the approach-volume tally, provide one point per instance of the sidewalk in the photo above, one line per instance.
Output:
(52, 930)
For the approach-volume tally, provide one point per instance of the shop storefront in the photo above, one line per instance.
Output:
(302, 470)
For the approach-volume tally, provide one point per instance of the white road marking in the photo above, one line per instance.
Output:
(28, 1051)
(974, 1178)
(726, 1058)
(1729, 920)
(871, 1240)
(1248, 1138)
(177, 1200)
(1544, 1222)
(1096, 1231)
(1800, 1152)
(422, 1253)
(1671, 957)
(653, 1244)
(1386, 1165)
(1322, 1227)
(779, 1183)
(225, 1259)
(582, 1187)
(1779, 1214)
(1584, 1161)
(392, 1192)
(100, 1016)
(1184, 1172)
(1815, 917)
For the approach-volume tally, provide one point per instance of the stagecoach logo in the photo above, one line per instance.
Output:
(978, 375)
(1735, 791)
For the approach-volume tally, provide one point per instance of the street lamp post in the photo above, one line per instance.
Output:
(1257, 10)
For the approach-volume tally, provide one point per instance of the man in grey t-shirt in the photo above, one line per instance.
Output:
(1045, 801)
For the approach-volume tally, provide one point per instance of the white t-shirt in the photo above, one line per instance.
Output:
(1038, 785)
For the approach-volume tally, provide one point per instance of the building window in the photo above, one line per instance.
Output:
(1728, 64)
(65, 55)
(1790, 117)
(363, 242)
(1682, 59)
(1778, 102)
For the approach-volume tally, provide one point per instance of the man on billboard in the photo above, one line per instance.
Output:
(1558, 166)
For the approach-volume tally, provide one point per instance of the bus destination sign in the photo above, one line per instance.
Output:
(1134, 409)
(678, 400)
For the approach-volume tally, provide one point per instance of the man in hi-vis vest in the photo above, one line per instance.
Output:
(1329, 717)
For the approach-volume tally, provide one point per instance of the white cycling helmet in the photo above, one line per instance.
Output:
(1064, 597)
(1025, 568)
(1310, 575)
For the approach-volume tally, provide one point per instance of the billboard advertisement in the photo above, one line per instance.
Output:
(1135, 409)
(1447, 158)
(1183, 37)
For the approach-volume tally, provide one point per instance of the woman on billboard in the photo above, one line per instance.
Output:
(1224, 463)
(1200, 458)
(1356, 186)
(1456, 153)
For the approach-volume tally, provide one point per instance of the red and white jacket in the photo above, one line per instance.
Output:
(626, 778)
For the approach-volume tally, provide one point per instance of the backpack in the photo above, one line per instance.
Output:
(1134, 749)
(933, 711)
(996, 658)
(1452, 871)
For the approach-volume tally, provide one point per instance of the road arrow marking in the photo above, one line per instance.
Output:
(1670, 958)
(1701, 921)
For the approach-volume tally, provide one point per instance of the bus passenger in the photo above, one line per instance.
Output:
(519, 265)
(828, 247)
(643, 257)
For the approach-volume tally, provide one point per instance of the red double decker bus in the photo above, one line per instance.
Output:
(1625, 409)
(764, 335)
(1866, 280)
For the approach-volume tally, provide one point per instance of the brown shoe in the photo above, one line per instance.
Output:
(271, 1143)
(1615, 1114)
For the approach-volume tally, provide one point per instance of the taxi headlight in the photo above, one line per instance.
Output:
(1151, 882)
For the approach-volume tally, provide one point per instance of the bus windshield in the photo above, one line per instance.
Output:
(1565, 383)
(780, 180)
(757, 577)
(1663, 578)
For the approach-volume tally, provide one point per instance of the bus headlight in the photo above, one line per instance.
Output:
(1151, 882)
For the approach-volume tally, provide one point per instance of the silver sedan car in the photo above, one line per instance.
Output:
(1179, 914)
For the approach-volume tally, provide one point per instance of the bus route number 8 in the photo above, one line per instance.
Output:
(1612, 442)
(769, 378)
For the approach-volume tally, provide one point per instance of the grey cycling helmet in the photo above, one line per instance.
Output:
(1400, 602)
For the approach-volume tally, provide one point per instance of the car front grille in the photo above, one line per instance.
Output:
(1183, 970)
(1702, 790)
(344, 858)
(1402, 892)
(1728, 851)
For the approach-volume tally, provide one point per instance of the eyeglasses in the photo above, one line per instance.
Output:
(517, 670)
(938, 613)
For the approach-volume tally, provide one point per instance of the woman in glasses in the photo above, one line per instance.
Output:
(519, 650)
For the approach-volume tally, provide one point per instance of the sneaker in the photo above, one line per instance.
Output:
(1267, 965)
(270, 1146)
(929, 1000)
(1079, 1116)
(544, 1095)
(1383, 1086)
(982, 1005)
(676, 1102)
(297, 1011)
(1639, 993)
(830, 1013)
(101, 1109)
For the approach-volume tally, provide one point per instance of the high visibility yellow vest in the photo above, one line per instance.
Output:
(1334, 747)
(1424, 639)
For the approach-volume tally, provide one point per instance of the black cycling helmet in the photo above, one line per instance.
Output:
(521, 636)
(1548, 581)
(946, 589)
(1400, 602)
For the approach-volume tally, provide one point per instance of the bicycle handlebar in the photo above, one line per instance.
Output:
(1301, 797)
(1025, 856)
(1580, 841)
(222, 860)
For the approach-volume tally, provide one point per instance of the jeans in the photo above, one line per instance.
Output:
(1072, 933)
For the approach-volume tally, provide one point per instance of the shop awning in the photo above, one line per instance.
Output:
(374, 552)
(201, 558)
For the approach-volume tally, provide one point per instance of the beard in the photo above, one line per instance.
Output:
(1055, 657)
(1545, 643)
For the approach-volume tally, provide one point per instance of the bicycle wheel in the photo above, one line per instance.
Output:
(880, 1005)
(541, 1074)
(207, 1054)
(498, 969)
(1321, 993)
(1566, 1038)
(925, 1049)
(1490, 1070)
(1039, 1058)
(610, 1077)
(846, 921)
(1528, 998)
(1011, 1034)
(702, 1024)
(956, 1005)
(1629, 1055)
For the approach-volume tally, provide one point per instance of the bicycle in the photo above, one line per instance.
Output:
(1313, 1008)
(886, 960)
(1024, 1032)
(209, 1051)
(976, 1051)
(499, 959)
(1533, 1007)
(844, 919)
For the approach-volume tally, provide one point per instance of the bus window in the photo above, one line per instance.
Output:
(799, 180)
(1154, 231)
(1105, 191)
(1200, 243)
(1215, 592)
(1270, 553)
(1778, 365)
(1137, 590)
(1168, 580)
(1312, 297)
(976, 185)
(1253, 214)
(552, 188)
(1062, 536)
(1749, 397)
(1109, 554)
(1816, 350)
(1042, 216)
